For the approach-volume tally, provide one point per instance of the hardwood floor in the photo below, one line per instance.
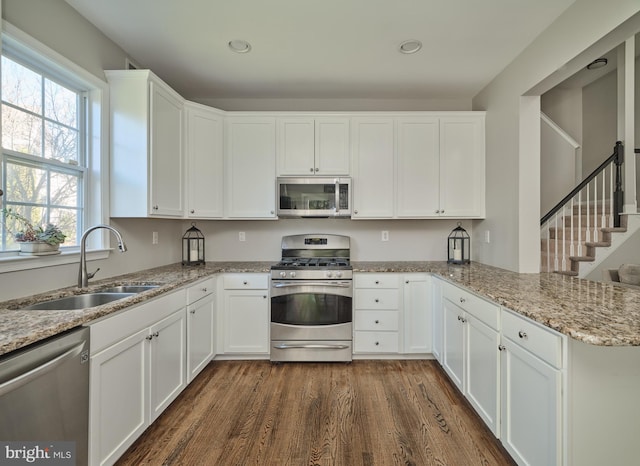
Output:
(325, 414)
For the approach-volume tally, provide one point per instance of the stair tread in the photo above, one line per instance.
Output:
(599, 244)
(571, 273)
(582, 258)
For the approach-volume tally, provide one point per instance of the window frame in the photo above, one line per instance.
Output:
(25, 49)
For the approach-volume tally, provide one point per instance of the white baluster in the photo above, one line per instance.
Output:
(603, 222)
(555, 250)
(595, 209)
(564, 242)
(579, 223)
(611, 213)
(572, 251)
(587, 235)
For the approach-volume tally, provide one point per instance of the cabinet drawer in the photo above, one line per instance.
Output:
(377, 299)
(376, 320)
(200, 290)
(376, 342)
(376, 280)
(245, 281)
(483, 310)
(542, 342)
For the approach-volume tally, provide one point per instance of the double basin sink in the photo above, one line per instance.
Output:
(92, 299)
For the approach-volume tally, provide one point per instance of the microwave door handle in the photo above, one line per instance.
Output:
(337, 198)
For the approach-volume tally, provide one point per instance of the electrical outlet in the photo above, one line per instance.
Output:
(241, 236)
(385, 235)
(154, 237)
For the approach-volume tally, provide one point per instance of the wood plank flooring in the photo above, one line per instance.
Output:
(319, 414)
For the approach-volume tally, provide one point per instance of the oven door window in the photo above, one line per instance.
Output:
(311, 309)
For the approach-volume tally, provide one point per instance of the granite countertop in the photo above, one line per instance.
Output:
(595, 313)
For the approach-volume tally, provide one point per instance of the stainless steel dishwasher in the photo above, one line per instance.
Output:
(44, 392)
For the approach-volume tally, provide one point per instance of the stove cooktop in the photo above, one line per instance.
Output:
(313, 263)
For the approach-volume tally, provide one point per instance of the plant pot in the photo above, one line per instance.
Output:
(38, 248)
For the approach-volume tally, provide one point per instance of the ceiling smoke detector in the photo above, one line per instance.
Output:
(239, 46)
(410, 46)
(597, 63)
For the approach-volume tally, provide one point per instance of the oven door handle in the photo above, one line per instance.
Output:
(309, 346)
(321, 284)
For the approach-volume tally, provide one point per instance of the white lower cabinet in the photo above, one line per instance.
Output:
(201, 314)
(532, 409)
(416, 308)
(137, 369)
(246, 313)
(470, 353)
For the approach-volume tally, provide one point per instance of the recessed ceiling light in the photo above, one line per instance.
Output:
(239, 46)
(410, 46)
(597, 63)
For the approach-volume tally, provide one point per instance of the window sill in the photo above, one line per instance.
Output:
(13, 262)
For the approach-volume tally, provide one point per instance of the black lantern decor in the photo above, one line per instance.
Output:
(458, 246)
(193, 246)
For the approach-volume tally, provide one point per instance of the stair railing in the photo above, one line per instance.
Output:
(577, 219)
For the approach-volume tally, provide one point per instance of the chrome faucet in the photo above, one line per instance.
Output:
(83, 275)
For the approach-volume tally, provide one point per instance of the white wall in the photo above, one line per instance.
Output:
(419, 240)
(569, 44)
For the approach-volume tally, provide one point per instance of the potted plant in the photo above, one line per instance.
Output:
(35, 240)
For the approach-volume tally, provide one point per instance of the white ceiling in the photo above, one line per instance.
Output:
(323, 48)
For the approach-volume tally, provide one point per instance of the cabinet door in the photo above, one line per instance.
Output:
(373, 167)
(418, 178)
(250, 157)
(332, 146)
(296, 146)
(483, 371)
(453, 350)
(438, 317)
(462, 158)
(204, 155)
(246, 323)
(118, 407)
(531, 414)
(200, 335)
(165, 152)
(167, 361)
(417, 314)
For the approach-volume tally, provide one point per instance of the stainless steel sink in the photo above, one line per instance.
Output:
(130, 288)
(82, 301)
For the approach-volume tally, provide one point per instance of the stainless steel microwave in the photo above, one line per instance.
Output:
(314, 197)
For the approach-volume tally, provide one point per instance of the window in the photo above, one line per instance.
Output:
(43, 156)
(53, 162)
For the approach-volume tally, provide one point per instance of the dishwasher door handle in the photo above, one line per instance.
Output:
(309, 346)
(22, 379)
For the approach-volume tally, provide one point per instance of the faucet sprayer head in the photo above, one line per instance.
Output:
(122, 246)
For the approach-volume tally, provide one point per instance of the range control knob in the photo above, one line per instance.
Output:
(283, 274)
(292, 274)
(329, 274)
(338, 274)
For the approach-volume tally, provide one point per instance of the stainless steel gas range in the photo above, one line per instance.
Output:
(311, 300)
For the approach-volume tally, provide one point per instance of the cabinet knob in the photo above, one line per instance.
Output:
(462, 300)
(407, 282)
(192, 311)
(377, 321)
(271, 212)
(311, 169)
(204, 290)
(523, 335)
(149, 337)
(437, 211)
(377, 282)
(156, 334)
(192, 211)
(442, 211)
(244, 283)
(377, 300)
(501, 347)
(317, 169)
(155, 207)
(377, 343)
(264, 296)
(355, 212)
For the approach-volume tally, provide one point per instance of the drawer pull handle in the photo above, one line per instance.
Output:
(149, 337)
(407, 282)
(463, 320)
(462, 300)
(377, 300)
(244, 283)
(377, 282)
(501, 347)
(523, 335)
(204, 290)
(377, 321)
(377, 343)
(156, 334)
(192, 311)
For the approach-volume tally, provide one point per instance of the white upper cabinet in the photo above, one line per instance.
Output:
(373, 167)
(418, 177)
(313, 146)
(462, 166)
(146, 146)
(204, 161)
(250, 159)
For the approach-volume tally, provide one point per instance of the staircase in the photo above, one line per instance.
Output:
(577, 237)
(586, 220)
